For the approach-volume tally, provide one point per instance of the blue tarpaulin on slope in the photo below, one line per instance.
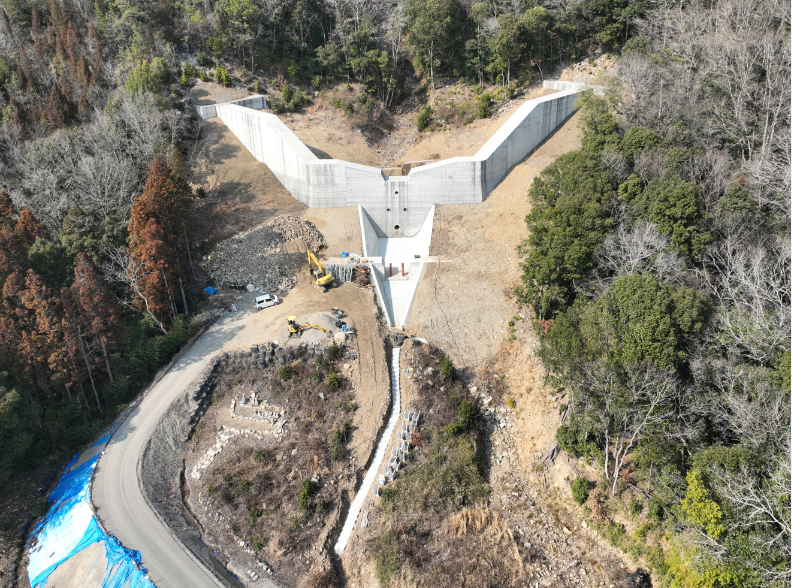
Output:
(70, 526)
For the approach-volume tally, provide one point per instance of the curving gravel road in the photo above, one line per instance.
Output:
(116, 493)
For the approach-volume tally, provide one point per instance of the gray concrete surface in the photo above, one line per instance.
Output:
(397, 205)
(116, 492)
(256, 102)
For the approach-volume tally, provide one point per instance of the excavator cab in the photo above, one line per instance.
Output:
(322, 279)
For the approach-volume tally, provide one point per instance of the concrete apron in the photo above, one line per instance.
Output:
(397, 265)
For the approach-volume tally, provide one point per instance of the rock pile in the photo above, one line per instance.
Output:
(252, 257)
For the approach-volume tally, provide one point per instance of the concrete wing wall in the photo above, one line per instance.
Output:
(397, 205)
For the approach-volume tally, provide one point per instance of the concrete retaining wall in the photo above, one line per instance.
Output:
(396, 205)
(256, 102)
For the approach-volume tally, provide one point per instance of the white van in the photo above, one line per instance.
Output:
(266, 301)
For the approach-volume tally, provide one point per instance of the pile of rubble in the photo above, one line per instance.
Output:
(252, 257)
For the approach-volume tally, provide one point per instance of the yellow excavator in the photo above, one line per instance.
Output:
(322, 279)
(296, 330)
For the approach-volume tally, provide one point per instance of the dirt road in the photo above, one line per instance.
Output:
(116, 492)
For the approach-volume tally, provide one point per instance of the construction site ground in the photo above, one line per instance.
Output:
(463, 305)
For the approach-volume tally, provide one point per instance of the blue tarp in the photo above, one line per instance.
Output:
(70, 526)
(209, 290)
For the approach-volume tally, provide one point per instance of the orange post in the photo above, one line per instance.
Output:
(402, 270)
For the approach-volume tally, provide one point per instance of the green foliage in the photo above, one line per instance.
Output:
(287, 93)
(635, 45)
(148, 77)
(387, 556)
(699, 509)
(260, 543)
(307, 491)
(19, 422)
(243, 486)
(334, 352)
(286, 372)
(52, 262)
(222, 76)
(183, 81)
(656, 510)
(638, 139)
(677, 210)
(334, 381)
(338, 441)
(258, 455)
(446, 476)
(189, 69)
(737, 201)
(635, 507)
(580, 489)
(447, 368)
(424, 118)
(485, 105)
(203, 59)
(576, 441)
(568, 222)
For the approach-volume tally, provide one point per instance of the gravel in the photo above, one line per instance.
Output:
(254, 257)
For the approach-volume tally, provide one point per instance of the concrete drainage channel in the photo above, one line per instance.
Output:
(379, 456)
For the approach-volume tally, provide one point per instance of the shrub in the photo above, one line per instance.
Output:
(337, 441)
(189, 69)
(183, 80)
(334, 352)
(447, 368)
(243, 486)
(469, 414)
(387, 557)
(511, 403)
(203, 77)
(580, 490)
(260, 543)
(575, 442)
(424, 118)
(317, 376)
(203, 59)
(200, 192)
(635, 507)
(286, 372)
(307, 491)
(484, 104)
(258, 455)
(334, 381)
(255, 512)
(222, 76)
(287, 93)
(655, 510)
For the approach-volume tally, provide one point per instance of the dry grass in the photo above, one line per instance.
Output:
(257, 484)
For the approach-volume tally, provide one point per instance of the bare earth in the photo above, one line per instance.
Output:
(464, 304)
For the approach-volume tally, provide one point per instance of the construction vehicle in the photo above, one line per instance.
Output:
(296, 330)
(322, 279)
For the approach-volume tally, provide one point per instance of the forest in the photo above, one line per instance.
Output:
(95, 150)
(658, 266)
(658, 261)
